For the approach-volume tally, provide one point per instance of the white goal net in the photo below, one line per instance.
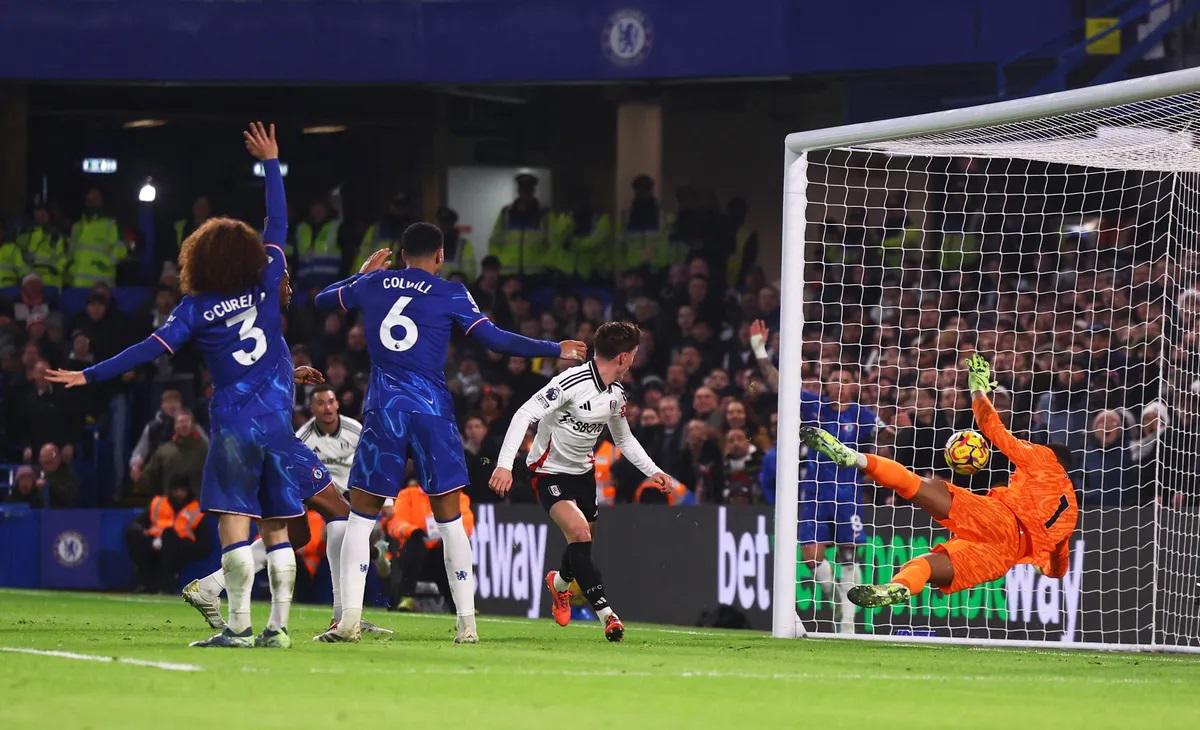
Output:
(1058, 237)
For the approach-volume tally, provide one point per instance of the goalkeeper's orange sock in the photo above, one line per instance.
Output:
(914, 575)
(893, 475)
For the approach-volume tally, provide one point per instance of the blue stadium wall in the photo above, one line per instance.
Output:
(492, 41)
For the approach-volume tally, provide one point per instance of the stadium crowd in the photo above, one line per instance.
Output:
(1076, 322)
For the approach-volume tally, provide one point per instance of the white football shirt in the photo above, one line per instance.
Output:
(336, 450)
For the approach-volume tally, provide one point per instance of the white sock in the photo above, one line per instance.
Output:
(238, 566)
(457, 552)
(214, 582)
(334, 532)
(823, 575)
(860, 460)
(604, 613)
(849, 577)
(281, 569)
(355, 559)
(560, 585)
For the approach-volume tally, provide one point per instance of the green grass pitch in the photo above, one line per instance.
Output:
(531, 674)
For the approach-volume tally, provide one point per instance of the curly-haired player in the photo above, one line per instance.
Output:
(1029, 521)
(256, 467)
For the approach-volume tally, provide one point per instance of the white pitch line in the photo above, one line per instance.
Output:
(168, 666)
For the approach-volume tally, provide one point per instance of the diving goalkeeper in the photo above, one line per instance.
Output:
(1029, 521)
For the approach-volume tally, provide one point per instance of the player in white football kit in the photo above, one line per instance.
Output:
(333, 438)
(571, 412)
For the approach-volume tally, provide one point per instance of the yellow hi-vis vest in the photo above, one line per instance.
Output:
(96, 248)
(464, 261)
(651, 247)
(318, 256)
(520, 250)
(899, 244)
(12, 265)
(733, 264)
(582, 254)
(371, 242)
(46, 253)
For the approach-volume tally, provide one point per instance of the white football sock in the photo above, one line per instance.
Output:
(850, 576)
(604, 613)
(214, 582)
(823, 575)
(457, 553)
(238, 566)
(355, 560)
(281, 569)
(560, 585)
(860, 460)
(335, 530)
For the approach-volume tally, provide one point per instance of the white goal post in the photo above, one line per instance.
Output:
(1060, 235)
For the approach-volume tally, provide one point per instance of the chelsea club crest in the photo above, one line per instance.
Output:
(627, 37)
(70, 549)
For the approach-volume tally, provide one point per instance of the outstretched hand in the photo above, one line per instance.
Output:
(979, 374)
(381, 259)
(69, 378)
(572, 350)
(305, 375)
(260, 141)
(759, 334)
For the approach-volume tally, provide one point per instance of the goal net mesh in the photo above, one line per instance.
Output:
(1065, 250)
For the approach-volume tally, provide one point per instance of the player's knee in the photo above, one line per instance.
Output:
(579, 533)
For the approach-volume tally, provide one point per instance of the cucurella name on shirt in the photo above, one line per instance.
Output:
(220, 309)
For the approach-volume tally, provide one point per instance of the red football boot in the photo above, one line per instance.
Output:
(614, 630)
(561, 608)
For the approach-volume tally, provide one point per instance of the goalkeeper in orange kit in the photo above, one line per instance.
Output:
(1029, 521)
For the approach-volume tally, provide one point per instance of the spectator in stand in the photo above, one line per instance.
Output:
(520, 238)
(45, 248)
(385, 233)
(643, 233)
(1145, 449)
(522, 382)
(181, 459)
(745, 242)
(481, 452)
(25, 489)
(202, 210)
(738, 417)
(355, 354)
(165, 538)
(706, 407)
(1109, 474)
(318, 247)
(460, 254)
(32, 302)
(158, 431)
(42, 413)
(57, 481)
(703, 462)
(95, 245)
(743, 462)
(417, 548)
(1061, 414)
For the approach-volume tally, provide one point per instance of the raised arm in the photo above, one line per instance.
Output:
(759, 334)
(632, 450)
(979, 382)
(338, 294)
(260, 143)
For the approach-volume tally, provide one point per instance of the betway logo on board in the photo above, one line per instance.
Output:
(509, 558)
(742, 560)
(1022, 596)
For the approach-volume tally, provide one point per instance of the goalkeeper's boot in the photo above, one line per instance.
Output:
(367, 627)
(614, 630)
(873, 596)
(227, 639)
(821, 440)
(208, 605)
(561, 608)
(465, 632)
(336, 634)
(272, 639)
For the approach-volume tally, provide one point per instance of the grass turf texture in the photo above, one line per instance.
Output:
(535, 674)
